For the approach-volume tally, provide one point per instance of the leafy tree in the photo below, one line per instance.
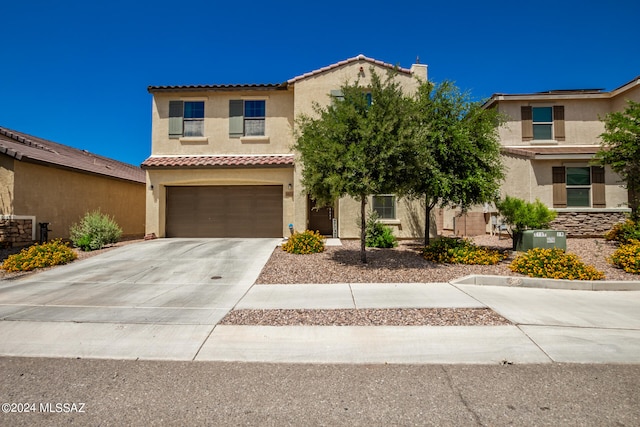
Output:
(620, 149)
(457, 150)
(356, 146)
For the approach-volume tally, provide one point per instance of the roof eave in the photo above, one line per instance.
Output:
(218, 88)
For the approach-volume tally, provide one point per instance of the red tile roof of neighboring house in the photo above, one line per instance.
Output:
(346, 62)
(265, 160)
(528, 152)
(32, 149)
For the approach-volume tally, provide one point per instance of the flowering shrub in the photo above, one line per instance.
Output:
(461, 251)
(554, 264)
(627, 257)
(624, 232)
(39, 256)
(307, 242)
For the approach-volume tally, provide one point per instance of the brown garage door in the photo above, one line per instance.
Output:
(224, 211)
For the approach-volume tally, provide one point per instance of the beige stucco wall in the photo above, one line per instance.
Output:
(160, 179)
(62, 197)
(409, 222)
(317, 88)
(582, 121)
(619, 102)
(278, 124)
(531, 180)
(6, 185)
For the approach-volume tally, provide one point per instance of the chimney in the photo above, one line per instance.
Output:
(419, 70)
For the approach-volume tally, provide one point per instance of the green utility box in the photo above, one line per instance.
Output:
(546, 239)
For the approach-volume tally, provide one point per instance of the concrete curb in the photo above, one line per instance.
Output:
(529, 282)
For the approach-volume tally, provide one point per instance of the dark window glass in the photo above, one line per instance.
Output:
(385, 206)
(579, 176)
(254, 108)
(542, 114)
(194, 110)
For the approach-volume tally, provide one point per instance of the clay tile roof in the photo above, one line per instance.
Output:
(267, 160)
(29, 148)
(218, 87)
(346, 62)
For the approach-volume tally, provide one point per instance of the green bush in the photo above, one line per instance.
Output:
(627, 257)
(624, 232)
(94, 231)
(379, 235)
(307, 242)
(461, 251)
(522, 215)
(554, 264)
(39, 256)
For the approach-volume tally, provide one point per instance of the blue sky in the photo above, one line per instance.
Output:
(76, 72)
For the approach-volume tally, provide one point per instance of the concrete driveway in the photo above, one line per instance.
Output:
(154, 299)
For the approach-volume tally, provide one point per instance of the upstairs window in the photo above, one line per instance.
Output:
(338, 95)
(246, 118)
(385, 206)
(186, 118)
(542, 123)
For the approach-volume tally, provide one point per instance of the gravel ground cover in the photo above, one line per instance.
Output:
(367, 317)
(404, 264)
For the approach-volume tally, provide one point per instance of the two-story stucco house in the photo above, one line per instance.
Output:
(221, 162)
(549, 141)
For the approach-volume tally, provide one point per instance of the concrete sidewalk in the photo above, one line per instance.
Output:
(549, 326)
(162, 300)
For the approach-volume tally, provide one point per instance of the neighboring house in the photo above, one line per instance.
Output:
(45, 182)
(221, 163)
(549, 141)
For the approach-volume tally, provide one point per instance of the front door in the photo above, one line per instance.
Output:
(320, 218)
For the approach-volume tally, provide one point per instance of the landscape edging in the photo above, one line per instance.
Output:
(539, 283)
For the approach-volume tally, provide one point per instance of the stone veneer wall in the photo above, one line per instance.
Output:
(16, 232)
(587, 224)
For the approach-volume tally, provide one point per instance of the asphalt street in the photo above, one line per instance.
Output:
(115, 392)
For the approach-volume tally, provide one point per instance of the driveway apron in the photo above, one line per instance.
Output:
(153, 299)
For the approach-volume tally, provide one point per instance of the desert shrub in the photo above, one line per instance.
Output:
(627, 257)
(554, 264)
(39, 256)
(522, 215)
(307, 242)
(624, 232)
(379, 235)
(461, 251)
(94, 231)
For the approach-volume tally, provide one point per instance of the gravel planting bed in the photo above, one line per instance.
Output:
(367, 317)
(404, 264)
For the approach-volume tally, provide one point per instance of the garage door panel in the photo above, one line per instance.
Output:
(224, 211)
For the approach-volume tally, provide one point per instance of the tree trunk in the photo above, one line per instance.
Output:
(428, 207)
(427, 220)
(363, 229)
